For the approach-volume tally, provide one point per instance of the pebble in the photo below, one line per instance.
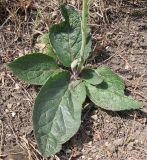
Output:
(73, 3)
(90, 143)
(6, 110)
(17, 86)
(127, 67)
(107, 47)
(107, 121)
(107, 144)
(130, 77)
(94, 117)
(8, 135)
(13, 114)
(9, 106)
(18, 103)
(82, 157)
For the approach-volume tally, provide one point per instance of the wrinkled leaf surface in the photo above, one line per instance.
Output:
(57, 112)
(34, 68)
(66, 37)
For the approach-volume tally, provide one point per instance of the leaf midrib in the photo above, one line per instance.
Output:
(60, 107)
(52, 121)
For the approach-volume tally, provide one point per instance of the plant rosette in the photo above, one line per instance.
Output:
(57, 109)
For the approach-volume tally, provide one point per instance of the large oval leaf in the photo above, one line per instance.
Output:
(110, 100)
(57, 112)
(34, 68)
(66, 37)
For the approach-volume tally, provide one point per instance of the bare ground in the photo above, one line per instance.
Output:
(119, 31)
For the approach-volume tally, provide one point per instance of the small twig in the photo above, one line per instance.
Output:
(34, 148)
(125, 61)
(26, 146)
(141, 94)
(94, 25)
(5, 22)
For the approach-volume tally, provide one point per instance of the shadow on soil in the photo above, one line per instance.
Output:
(83, 136)
(127, 114)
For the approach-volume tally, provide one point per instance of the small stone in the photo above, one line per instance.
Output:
(130, 77)
(127, 67)
(6, 110)
(73, 3)
(20, 54)
(17, 86)
(107, 47)
(94, 117)
(133, 58)
(9, 106)
(54, 13)
(83, 157)
(90, 143)
(13, 114)
(107, 144)
(8, 134)
(136, 141)
(18, 103)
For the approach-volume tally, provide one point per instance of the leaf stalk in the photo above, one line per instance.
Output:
(84, 31)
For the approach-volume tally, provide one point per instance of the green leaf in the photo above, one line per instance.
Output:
(91, 76)
(114, 82)
(57, 112)
(66, 37)
(110, 100)
(34, 68)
